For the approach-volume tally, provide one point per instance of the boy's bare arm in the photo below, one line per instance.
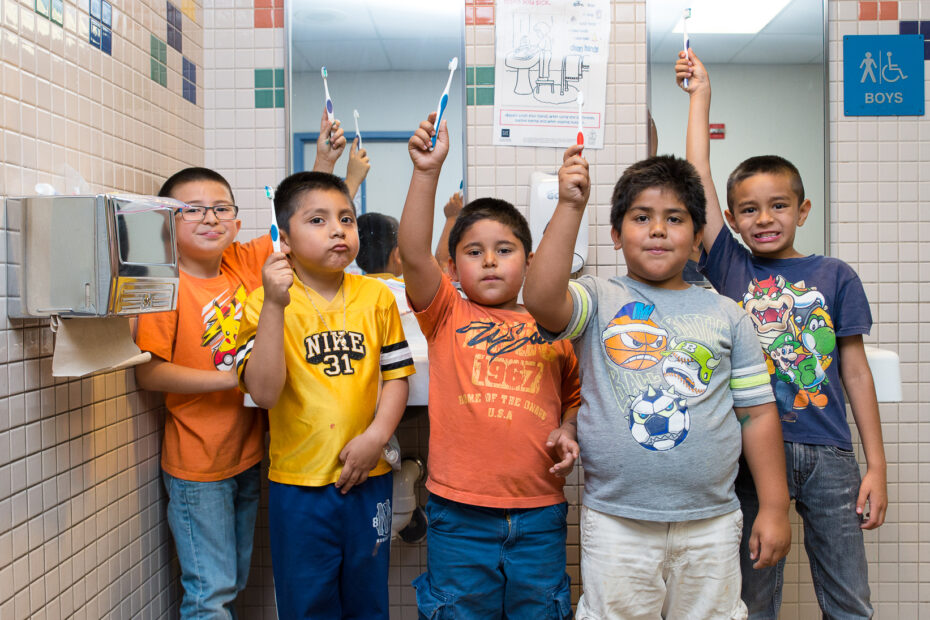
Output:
(860, 389)
(159, 375)
(697, 143)
(565, 442)
(451, 211)
(357, 168)
(545, 293)
(764, 450)
(265, 371)
(329, 144)
(421, 271)
(361, 454)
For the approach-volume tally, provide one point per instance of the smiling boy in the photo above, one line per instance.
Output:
(673, 388)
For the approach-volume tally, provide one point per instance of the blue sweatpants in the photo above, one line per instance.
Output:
(330, 552)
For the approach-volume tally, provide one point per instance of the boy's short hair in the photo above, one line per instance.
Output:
(664, 172)
(765, 164)
(191, 175)
(377, 235)
(290, 189)
(490, 209)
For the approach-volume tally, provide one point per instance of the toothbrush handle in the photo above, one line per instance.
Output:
(687, 47)
(442, 108)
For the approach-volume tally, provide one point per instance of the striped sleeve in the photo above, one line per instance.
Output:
(581, 312)
(395, 356)
(248, 326)
(751, 386)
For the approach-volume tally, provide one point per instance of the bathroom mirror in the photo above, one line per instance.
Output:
(389, 61)
(768, 72)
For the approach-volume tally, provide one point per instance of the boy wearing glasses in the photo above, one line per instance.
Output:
(212, 443)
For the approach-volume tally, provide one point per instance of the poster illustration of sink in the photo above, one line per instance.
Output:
(547, 53)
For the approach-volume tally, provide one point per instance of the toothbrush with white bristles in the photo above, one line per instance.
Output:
(444, 100)
(580, 137)
(329, 101)
(275, 234)
(357, 132)
(685, 16)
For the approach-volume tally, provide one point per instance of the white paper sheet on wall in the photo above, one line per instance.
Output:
(547, 52)
(83, 346)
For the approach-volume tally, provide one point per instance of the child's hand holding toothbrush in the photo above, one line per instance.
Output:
(329, 145)
(690, 68)
(357, 168)
(425, 160)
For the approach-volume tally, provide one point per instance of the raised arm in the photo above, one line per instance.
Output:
(357, 168)
(860, 389)
(329, 145)
(765, 453)
(160, 375)
(697, 143)
(265, 371)
(545, 293)
(421, 271)
(451, 211)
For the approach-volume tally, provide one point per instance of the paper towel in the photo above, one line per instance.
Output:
(83, 346)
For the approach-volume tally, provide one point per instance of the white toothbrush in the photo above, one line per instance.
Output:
(685, 16)
(329, 101)
(357, 132)
(580, 138)
(444, 100)
(275, 234)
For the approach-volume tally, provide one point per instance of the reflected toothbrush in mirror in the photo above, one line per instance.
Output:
(357, 132)
(329, 101)
(444, 100)
(686, 42)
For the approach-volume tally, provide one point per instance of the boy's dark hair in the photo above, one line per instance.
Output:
(665, 172)
(189, 175)
(377, 236)
(765, 164)
(490, 209)
(290, 189)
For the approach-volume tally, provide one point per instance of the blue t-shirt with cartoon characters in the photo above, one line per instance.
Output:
(661, 371)
(799, 307)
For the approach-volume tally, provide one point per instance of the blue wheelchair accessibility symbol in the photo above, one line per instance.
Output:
(883, 75)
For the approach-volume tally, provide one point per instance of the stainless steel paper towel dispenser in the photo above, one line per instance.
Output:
(85, 256)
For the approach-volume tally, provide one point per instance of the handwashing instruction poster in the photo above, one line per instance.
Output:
(548, 52)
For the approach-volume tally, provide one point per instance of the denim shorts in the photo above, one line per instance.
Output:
(824, 483)
(493, 563)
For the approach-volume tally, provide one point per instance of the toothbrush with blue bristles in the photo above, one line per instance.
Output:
(275, 233)
(685, 16)
(444, 100)
(329, 101)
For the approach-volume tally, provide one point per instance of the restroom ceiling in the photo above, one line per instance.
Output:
(794, 36)
(374, 35)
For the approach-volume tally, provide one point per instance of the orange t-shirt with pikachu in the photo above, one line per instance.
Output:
(210, 436)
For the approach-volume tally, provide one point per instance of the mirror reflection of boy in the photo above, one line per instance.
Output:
(810, 313)
(314, 345)
(212, 444)
(673, 388)
(502, 405)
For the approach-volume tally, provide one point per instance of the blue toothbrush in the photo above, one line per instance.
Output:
(275, 235)
(444, 100)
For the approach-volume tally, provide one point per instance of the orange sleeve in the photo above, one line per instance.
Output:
(156, 333)
(439, 309)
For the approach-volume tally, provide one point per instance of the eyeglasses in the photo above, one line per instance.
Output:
(197, 213)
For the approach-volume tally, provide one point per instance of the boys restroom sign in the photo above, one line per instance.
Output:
(883, 75)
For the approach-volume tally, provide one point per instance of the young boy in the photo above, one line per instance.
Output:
(664, 367)
(502, 406)
(212, 444)
(809, 313)
(314, 344)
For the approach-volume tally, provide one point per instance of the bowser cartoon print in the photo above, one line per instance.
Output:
(796, 330)
(221, 326)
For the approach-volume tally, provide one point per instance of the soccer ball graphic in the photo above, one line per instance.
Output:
(659, 420)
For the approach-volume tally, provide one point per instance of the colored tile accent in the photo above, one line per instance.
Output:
(190, 9)
(264, 98)
(106, 40)
(95, 9)
(189, 70)
(269, 88)
(484, 15)
(868, 11)
(888, 10)
(484, 96)
(278, 18)
(279, 78)
(101, 18)
(159, 72)
(58, 12)
(279, 97)
(916, 27)
(95, 33)
(484, 76)
(189, 91)
(908, 27)
(106, 14)
(264, 18)
(174, 27)
(263, 4)
(470, 96)
(42, 8)
(264, 78)
(269, 13)
(158, 51)
(469, 76)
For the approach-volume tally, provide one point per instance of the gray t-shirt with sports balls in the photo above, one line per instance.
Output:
(661, 371)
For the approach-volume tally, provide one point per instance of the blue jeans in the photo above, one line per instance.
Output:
(824, 482)
(493, 563)
(330, 552)
(213, 525)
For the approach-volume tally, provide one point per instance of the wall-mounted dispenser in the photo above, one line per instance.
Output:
(90, 256)
(544, 196)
